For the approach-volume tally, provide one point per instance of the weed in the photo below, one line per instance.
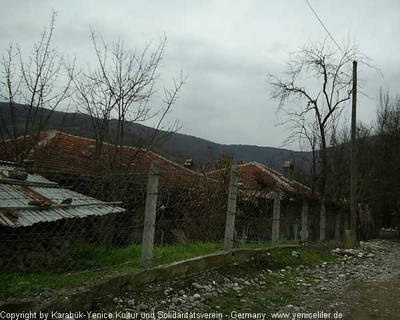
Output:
(90, 262)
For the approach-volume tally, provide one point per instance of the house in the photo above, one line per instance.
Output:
(41, 221)
(257, 190)
(118, 173)
(56, 151)
(256, 177)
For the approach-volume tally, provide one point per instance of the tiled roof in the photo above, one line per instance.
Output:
(256, 176)
(16, 209)
(61, 152)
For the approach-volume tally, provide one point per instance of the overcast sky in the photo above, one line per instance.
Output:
(227, 48)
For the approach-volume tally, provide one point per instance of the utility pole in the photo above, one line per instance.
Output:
(353, 184)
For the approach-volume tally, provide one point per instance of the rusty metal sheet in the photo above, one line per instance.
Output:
(20, 196)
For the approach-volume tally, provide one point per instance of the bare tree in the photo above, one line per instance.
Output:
(318, 80)
(377, 163)
(386, 171)
(120, 88)
(339, 158)
(41, 83)
(388, 114)
(305, 132)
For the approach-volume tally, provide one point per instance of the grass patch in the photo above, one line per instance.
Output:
(263, 244)
(253, 245)
(91, 257)
(172, 253)
(88, 262)
(281, 258)
(18, 284)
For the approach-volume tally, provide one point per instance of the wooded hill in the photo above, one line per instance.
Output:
(175, 146)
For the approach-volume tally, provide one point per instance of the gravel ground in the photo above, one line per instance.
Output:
(361, 284)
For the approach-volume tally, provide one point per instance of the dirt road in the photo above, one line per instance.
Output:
(364, 288)
(374, 300)
(358, 284)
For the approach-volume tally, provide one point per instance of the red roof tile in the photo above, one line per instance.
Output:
(256, 176)
(61, 152)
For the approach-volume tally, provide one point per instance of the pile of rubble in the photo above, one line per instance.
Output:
(372, 262)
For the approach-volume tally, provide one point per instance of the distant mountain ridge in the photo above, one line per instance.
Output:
(177, 147)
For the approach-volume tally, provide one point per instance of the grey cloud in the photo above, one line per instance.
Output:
(227, 47)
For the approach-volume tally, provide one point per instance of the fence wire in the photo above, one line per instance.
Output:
(86, 226)
(253, 222)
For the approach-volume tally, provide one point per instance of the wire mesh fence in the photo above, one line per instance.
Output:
(61, 228)
(253, 219)
(193, 213)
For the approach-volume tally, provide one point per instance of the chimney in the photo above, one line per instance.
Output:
(29, 163)
(288, 167)
(189, 164)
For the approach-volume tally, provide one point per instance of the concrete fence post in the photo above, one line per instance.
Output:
(276, 215)
(322, 221)
(304, 221)
(150, 215)
(231, 212)
(337, 226)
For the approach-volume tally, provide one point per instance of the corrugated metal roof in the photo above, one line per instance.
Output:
(29, 217)
(20, 196)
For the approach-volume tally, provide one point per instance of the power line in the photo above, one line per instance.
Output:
(320, 21)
